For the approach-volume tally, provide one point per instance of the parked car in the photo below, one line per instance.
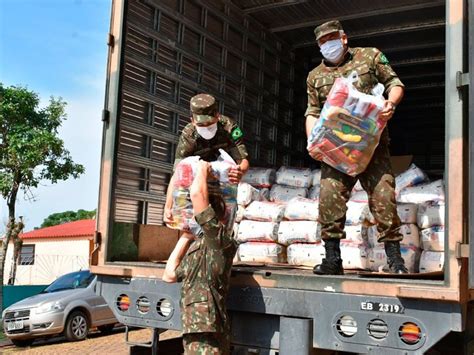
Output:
(69, 306)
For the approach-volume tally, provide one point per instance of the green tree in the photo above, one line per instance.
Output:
(31, 151)
(67, 216)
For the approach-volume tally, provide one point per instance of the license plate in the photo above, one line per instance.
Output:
(15, 325)
(381, 307)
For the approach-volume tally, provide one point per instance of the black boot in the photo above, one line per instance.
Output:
(332, 264)
(395, 261)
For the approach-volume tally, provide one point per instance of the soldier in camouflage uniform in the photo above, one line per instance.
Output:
(372, 67)
(205, 273)
(207, 132)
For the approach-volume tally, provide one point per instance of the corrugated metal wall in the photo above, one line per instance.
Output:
(174, 50)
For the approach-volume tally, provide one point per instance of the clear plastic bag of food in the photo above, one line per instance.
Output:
(349, 129)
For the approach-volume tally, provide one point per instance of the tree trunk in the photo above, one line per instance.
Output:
(17, 243)
(8, 234)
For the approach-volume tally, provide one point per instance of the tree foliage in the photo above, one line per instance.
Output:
(31, 151)
(67, 216)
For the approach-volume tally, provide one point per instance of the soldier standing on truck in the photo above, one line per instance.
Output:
(207, 132)
(377, 180)
(205, 273)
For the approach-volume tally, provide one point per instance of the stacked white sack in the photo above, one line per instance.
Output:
(431, 261)
(291, 232)
(356, 212)
(257, 231)
(301, 209)
(313, 193)
(355, 234)
(430, 214)
(264, 211)
(260, 177)
(410, 233)
(411, 177)
(283, 193)
(239, 215)
(354, 255)
(261, 252)
(246, 193)
(305, 254)
(432, 238)
(294, 177)
(433, 191)
(378, 258)
(316, 180)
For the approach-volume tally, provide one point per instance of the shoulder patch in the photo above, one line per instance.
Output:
(236, 133)
(383, 59)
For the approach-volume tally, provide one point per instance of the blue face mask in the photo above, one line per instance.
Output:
(332, 50)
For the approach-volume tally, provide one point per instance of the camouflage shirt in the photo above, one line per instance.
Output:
(228, 137)
(371, 65)
(205, 273)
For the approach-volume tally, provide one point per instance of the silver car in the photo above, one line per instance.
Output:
(69, 306)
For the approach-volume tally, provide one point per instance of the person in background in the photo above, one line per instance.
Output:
(377, 180)
(207, 132)
(205, 273)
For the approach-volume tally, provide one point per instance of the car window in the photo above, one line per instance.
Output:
(80, 279)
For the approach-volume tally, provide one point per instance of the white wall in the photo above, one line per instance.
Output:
(53, 258)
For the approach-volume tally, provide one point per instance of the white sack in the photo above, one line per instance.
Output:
(433, 191)
(355, 212)
(410, 232)
(260, 177)
(257, 231)
(359, 196)
(378, 258)
(314, 192)
(316, 181)
(262, 252)
(305, 254)
(246, 193)
(354, 256)
(431, 261)
(432, 238)
(411, 177)
(407, 212)
(291, 232)
(302, 209)
(264, 211)
(282, 193)
(294, 177)
(430, 214)
(356, 234)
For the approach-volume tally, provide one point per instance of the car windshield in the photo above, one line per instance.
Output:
(80, 279)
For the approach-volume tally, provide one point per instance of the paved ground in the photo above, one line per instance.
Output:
(96, 343)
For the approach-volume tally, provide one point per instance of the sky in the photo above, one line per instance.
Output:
(58, 48)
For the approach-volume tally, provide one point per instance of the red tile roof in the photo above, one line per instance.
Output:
(82, 228)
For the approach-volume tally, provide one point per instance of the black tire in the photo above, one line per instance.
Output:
(106, 329)
(77, 326)
(22, 343)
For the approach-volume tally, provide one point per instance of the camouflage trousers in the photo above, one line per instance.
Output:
(379, 183)
(206, 344)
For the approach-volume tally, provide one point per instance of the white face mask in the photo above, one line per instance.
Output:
(207, 132)
(332, 50)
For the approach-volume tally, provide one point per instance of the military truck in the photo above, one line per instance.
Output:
(254, 56)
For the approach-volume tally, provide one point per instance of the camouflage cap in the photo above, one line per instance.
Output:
(203, 108)
(326, 28)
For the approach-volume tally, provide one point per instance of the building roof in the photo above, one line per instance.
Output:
(82, 228)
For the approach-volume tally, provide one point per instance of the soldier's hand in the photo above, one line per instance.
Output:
(167, 216)
(235, 175)
(387, 111)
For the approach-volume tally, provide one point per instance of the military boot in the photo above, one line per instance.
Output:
(395, 261)
(332, 263)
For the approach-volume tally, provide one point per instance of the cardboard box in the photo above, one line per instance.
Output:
(155, 243)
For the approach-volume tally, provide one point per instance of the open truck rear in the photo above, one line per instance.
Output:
(254, 56)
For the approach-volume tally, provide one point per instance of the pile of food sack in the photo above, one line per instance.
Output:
(278, 211)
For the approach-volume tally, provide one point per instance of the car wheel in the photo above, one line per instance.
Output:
(22, 343)
(77, 326)
(106, 329)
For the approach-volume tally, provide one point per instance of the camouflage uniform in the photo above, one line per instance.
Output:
(205, 272)
(372, 67)
(229, 136)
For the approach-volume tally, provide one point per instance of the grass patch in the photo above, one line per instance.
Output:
(2, 334)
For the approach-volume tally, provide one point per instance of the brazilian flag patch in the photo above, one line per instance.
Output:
(236, 133)
(383, 59)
